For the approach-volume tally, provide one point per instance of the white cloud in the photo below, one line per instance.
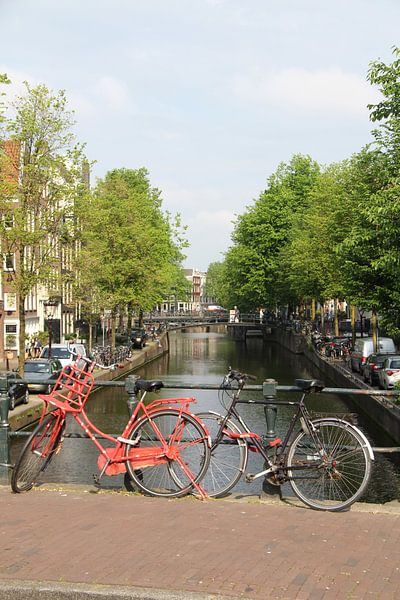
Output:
(209, 233)
(323, 91)
(215, 220)
(81, 104)
(113, 92)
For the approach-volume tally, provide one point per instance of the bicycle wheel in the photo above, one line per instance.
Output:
(167, 473)
(228, 459)
(331, 466)
(37, 453)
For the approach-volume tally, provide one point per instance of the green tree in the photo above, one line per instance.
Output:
(4, 80)
(131, 250)
(214, 287)
(253, 265)
(387, 111)
(40, 178)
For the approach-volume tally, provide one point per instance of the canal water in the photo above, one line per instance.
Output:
(203, 356)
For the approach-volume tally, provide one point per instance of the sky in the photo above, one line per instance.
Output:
(210, 96)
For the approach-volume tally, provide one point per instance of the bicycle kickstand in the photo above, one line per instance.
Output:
(100, 475)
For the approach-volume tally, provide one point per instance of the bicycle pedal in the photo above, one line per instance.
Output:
(249, 477)
(96, 480)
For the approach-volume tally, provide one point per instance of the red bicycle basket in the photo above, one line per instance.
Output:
(72, 388)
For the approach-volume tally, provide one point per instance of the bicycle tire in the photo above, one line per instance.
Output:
(37, 453)
(342, 467)
(228, 459)
(168, 478)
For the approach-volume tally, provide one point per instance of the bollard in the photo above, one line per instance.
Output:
(130, 386)
(270, 410)
(269, 393)
(4, 430)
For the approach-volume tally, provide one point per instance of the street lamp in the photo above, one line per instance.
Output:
(50, 307)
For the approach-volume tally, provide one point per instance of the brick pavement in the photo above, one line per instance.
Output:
(238, 549)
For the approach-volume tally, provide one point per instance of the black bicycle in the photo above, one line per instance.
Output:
(327, 462)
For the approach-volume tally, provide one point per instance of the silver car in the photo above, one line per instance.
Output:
(390, 372)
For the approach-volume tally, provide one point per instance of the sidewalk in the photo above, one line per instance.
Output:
(76, 543)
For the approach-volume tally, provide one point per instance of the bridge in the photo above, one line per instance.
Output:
(240, 331)
(183, 319)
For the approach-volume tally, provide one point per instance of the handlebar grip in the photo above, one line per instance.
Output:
(238, 376)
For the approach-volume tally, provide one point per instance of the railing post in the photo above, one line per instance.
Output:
(270, 410)
(130, 386)
(4, 431)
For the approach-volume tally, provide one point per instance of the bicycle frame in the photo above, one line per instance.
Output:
(112, 461)
(254, 442)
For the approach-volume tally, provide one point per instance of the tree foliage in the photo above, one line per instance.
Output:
(41, 177)
(131, 251)
(254, 263)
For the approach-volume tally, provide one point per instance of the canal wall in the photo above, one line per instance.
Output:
(379, 409)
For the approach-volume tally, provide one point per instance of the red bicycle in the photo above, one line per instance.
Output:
(164, 450)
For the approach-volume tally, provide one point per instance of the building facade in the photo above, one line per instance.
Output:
(47, 306)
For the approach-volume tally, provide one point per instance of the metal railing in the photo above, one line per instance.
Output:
(270, 390)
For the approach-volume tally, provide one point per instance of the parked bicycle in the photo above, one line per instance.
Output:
(164, 450)
(327, 463)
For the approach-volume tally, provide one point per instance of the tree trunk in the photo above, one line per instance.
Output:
(375, 330)
(129, 320)
(336, 318)
(113, 328)
(22, 335)
(90, 341)
(140, 318)
(313, 310)
(353, 326)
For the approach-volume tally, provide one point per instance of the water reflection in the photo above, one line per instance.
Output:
(198, 356)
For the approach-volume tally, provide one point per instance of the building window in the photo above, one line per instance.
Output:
(9, 262)
(10, 301)
(11, 338)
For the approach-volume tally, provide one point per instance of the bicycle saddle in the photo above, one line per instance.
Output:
(148, 385)
(309, 385)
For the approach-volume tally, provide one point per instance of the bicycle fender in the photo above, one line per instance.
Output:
(354, 428)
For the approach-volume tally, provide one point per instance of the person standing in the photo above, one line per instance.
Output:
(37, 347)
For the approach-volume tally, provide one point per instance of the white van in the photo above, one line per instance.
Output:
(66, 353)
(365, 346)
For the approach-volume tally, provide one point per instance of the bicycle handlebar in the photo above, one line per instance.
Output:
(238, 376)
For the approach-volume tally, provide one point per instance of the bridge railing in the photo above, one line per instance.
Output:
(269, 388)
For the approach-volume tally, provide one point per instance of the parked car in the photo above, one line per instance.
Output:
(373, 365)
(363, 347)
(60, 351)
(138, 338)
(390, 372)
(66, 353)
(18, 392)
(42, 369)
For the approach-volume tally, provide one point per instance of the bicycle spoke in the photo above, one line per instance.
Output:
(336, 466)
(185, 449)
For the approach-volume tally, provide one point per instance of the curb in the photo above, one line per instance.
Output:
(49, 590)
(289, 502)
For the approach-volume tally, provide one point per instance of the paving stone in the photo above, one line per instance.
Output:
(211, 549)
